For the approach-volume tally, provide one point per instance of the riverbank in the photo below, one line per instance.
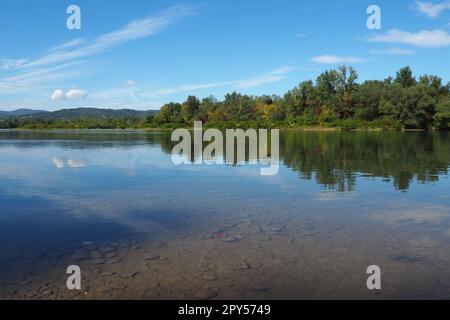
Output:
(170, 128)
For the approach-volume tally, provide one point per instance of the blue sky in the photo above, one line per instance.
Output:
(143, 53)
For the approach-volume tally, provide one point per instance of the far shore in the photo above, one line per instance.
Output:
(306, 129)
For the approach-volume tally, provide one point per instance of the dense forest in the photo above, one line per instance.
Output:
(334, 99)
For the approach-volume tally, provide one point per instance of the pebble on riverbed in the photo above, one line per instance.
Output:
(150, 256)
(208, 276)
(107, 249)
(129, 274)
(98, 261)
(236, 238)
(205, 294)
(262, 286)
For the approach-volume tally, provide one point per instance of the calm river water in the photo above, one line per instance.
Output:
(140, 227)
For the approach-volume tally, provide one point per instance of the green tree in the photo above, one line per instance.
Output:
(346, 88)
(190, 109)
(442, 117)
(367, 100)
(170, 113)
(405, 77)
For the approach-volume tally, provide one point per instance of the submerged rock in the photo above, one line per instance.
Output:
(408, 258)
(209, 276)
(277, 228)
(236, 238)
(113, 261)
(107, 249)
(262, 286)
(129, 274)
(205, 294)
(243, 266)
(151, 256)
(98, 261)
(118, 286)
(111, 254)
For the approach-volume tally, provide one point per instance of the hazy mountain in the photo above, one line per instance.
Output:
(20, 113)
(79, 113)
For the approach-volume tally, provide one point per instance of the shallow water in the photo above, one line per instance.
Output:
(142, 228)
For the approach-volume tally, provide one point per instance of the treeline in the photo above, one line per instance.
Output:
(334, 99)
(80, 123)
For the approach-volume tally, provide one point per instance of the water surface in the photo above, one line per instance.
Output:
(140, 227)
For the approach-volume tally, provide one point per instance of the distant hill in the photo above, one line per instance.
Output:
(20, 113)
(78, 113)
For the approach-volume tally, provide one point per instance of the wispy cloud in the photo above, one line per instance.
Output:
(7, 64)
(270, 77)
(68, 45)
(394, 51)
(131, 89)
(428, 39)
(331, 59)
(251, 82)
(57, 63)
(136, 29)
(35, 79)
(432, 10)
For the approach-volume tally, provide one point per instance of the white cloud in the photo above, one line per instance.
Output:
(72, 94)
(57, 95)
(425, 38)
(432, 10)
(394, 51)
(76, 94)
(330, 59)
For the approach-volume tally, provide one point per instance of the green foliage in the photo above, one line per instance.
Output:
(367, 100)
(190, 108)
(405, 77)
(442, 117)
(351, 124)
